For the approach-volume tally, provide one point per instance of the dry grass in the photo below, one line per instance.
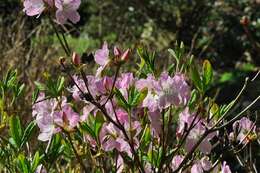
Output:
(23, 48)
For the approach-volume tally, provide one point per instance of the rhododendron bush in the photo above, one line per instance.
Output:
(143, 120)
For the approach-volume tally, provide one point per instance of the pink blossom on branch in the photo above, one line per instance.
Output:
(246, 130)
(185, 121)
(172, 91)
(201, 166)
(165, 92)
(44, 111)
(125, 81)
(67, 10)
(50, 118)
(66, 118)
(102, 55)
(34, 7)
(225, 168)
(176, 161)
(114, 139)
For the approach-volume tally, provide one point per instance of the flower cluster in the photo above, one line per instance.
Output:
(52, 116)
(65, 9)
(128, 108)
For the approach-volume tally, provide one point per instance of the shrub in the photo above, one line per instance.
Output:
(143, 120)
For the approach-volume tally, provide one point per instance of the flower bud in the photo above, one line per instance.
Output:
(62, 60)
(125, 55)
(107, 82)
(117, 51)
(75, 59)
(244, 21)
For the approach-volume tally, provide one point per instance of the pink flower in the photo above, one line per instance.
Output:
(102, 55)
(86, 111)
(44, 112)
(48, 117)
(225, 168)
(67, 10)
(193, 137)
(150, 83)
(148, 168)
(185, 121)
(197, 168)
(102, 58)
(195, 133)
(201, 166)
(47, 127)
(205, 163)
(165, 92)
(172, 91)
(95, 85)
(113, 139)
(66, 118)
(246, 130)
(176, 161)
(76, 93)
(103, 85)
(151, 101)
(33, 7)
(125, 81)
(36, 7)
(120, 164)
(122, 116)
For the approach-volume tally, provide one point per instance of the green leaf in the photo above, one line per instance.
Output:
(227, 77)
(35, 95)
(194, 97)
(195, 77)
(146, 136)
(56, 148)
(121, 100)
(214, 111)
(99, 121)
(175, 55)
(147, 61)
(40, 86)
(60, 83)
(28, 132)
(20, 90)
(140, 52)
(139, 97)
(35, 162)
(16, 130)
(23, 164)
(225, 108)
(171, 68)
(10, 78)
(207, 73)
(85, 127)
